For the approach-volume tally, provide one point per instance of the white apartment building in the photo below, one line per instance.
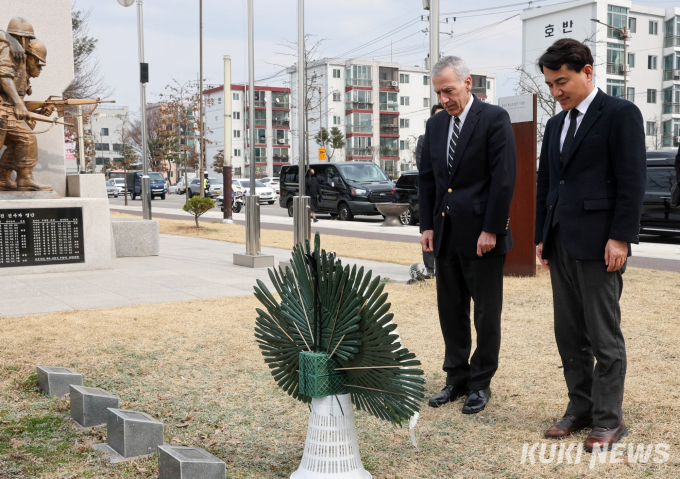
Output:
(272, 129)
(652, 50)
(107, 124)
(381, 107)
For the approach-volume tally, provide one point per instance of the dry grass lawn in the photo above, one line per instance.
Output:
(196, 367)
(374, 250)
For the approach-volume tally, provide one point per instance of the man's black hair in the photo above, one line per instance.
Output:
(436, 107)
(566, 51)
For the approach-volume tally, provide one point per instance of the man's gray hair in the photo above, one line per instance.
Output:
(454, 63)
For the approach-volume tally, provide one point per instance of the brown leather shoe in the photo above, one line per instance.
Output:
(605, 437)
(567, 426)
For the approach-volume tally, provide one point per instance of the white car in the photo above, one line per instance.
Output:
(273, 183)
(266, 194)
(120, 184)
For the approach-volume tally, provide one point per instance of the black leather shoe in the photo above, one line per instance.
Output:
(477, 401)
(449, 393)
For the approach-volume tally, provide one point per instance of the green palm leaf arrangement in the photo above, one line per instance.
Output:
(357, 333)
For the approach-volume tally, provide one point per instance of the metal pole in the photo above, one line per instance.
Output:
(301, 215)
(226, 166)
(624, 35)
(200, 99)
(81, 141)
(146, 185)
(434, 45)
(252, 200)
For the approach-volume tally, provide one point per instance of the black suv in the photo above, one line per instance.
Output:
(406, 191)
(347, 188)
(658, 217)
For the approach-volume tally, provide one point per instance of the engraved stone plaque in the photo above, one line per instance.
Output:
(41, 236)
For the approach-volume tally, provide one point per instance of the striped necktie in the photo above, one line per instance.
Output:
(452, 143)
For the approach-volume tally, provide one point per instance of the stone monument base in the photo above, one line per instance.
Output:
(254, 260)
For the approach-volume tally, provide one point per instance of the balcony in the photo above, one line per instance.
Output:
(359, 152)
(615, 68)
(260, 122)
(260, 104)
(672, 41)
(671, 75)
(389, 107)
(276, 122)
(359, 82)
(386, 129)
(281, 159)
(478, 90)
(360, 105)
(671, 107)
(389, 152)
(359, 129)
(389, 84)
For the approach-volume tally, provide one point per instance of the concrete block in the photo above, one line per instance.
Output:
(89, 405)
(55, 381)
(135, 237)
(87, 186)
(189, 463)
(254, 260)
(285, 264)
(132, 433)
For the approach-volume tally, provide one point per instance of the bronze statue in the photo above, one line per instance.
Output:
(22, 57)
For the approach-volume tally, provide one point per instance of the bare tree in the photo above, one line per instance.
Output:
(547, 104)
(655, 140)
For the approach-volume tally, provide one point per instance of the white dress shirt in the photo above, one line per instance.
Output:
(582, 109)
(462, 120)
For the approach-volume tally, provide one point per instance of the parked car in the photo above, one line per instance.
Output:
(157, 180)
(266, 194)
(120, 184)
(658, 218)
(406, 191)
(216, 185)
(347, 189)
(111, 189)
(273, 183)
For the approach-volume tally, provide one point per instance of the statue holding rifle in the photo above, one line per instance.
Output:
(22, 57)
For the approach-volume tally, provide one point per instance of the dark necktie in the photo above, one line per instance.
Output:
(452, 144)
(566, 147)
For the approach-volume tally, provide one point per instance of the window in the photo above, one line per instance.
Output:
(402, 145)
(426, 80)
(101, 146)
(615, 58)
(651, 128)
(282, 137)
(219, 100)
(237, 133)
(630, 94)
(105, 132)
(488, 85)
(632, 24)
(426, 102)
(651, 96)
(281, 155)
(388, 101)
(336, 73)
(336, 120)
(404, 101)
(235, 96)
(216, 117)
(237, 115)
(403, 78)
(616, 17)
(653, 28)
(425, 124)
(404, 123)
(631, 60)
(337, 96)
(237, 152)
(117, 147)
(651, 62)
(615, 88)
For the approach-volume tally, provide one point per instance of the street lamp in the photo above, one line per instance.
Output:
(143, 80)
(624, 36)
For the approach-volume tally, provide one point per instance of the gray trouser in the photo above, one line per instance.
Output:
(587, 324)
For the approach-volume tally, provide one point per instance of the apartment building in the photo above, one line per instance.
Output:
(651, 65)
(272, 129)
(106, 126)
(381, 107)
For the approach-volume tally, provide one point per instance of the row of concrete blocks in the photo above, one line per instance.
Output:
(129, 433)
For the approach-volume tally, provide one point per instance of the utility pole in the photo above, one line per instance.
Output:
(226, 165)
(301, 214)
(433, 7)
(624, 36)
(81, 141)
(200, 100)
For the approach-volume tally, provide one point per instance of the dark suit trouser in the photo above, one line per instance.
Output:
(587, 324)
(459, 279)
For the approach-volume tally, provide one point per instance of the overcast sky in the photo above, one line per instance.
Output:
(171, 32)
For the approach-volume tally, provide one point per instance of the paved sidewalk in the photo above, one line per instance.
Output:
(187, 268)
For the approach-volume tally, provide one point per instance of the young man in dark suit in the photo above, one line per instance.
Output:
(591, 184)
(467, 178)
